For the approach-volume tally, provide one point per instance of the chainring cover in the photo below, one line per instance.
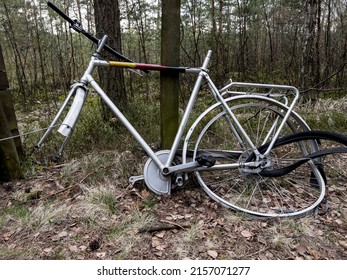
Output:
(154, 179)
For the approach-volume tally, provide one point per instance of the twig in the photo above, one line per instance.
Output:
(255, 253)
(174, 224)
(328, 78)
(54, 194)
(167, 225)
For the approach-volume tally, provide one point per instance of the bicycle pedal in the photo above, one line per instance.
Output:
(206, 160)
(134, 179)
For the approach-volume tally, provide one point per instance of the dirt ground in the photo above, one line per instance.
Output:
(67, 212)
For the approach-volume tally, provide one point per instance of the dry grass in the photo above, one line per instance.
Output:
(85, 209)
(65, 220)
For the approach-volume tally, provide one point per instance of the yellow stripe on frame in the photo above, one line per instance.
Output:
(121, 64)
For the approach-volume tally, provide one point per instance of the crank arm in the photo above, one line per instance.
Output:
(134, 179)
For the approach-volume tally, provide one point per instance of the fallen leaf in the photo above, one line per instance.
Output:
(269, 255)
(144, 193)
(316, 255)
(301, 250)
(246, 233)
(48, 250)
(59, 236)
(343, 243)
(8, 235)
(157, 244)
(158, 253)
(75, 229)
(101, 255)
(62, 234)
(263, 257)
(160, 234)
(213, 254)
(73, 248)
(83, 248)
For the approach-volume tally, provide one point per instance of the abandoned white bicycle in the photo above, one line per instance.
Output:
(249, 151)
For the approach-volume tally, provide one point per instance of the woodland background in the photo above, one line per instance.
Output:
(302, 43)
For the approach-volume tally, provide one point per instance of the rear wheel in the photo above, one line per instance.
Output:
(246, 189)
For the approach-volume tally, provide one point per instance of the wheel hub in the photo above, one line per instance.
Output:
(253, 167)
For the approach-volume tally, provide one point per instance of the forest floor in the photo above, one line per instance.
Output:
(84, 208)
(73, 211)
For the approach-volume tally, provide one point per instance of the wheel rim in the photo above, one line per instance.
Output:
(296, 194)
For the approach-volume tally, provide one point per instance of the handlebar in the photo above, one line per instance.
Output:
(76, 25)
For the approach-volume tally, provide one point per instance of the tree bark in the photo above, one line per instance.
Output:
(308, 60)
(9, 159)
(107, 21)
(11, 149)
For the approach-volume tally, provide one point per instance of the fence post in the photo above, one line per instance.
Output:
(10, 150)
(169, 82)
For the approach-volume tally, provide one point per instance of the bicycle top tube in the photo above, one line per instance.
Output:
(143, 66)
(150, 67)
(157, 67)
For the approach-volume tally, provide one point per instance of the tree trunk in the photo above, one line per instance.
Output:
(169, 82)
(107, 21)
(308, 63)
(9, 149)
(9, 160)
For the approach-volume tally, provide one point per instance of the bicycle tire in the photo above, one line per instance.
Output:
(312, 135)
(250, 192)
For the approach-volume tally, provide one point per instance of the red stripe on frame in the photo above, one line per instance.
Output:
(142, 66)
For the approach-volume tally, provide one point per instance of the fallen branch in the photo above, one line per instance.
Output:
(174, 224)
(166, 225)
(51, 195)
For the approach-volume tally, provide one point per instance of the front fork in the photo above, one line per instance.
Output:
(66, 128)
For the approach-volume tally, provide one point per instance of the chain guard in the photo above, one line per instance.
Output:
(154, 179)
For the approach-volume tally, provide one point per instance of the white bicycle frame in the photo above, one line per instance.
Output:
(166, 168)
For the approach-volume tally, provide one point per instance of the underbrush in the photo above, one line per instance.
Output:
(93, 136)
(92, 133)
(327, 114)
